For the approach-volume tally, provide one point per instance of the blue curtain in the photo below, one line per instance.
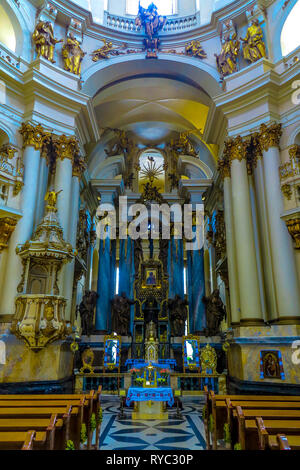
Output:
(176, 268)
(196, 289)
(106, 283)
(126, 272)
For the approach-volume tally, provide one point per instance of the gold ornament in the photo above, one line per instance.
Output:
(286, 191)
(51, 198)
(227, 60)
(72, 55)
(7, 226)
(208, 360)
(33, 135)
(253, 45)
(293, 226)
(7, 151)
(269, 136)
(44, 40)
(66, 147)
(79, 166)
(87, 361)
(104, 51)
(195, 49)
(237, 148)
(224, 168)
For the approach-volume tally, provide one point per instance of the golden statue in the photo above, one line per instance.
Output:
(44, 40)
(182, 145)
(51, 198)
(227, 60)
(195, 49)
(253, 45)
(104, 51)
(72, 55)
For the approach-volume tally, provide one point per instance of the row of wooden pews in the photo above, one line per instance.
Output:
(247, 422)
(50, 422)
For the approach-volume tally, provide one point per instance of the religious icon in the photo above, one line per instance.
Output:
(151, 277)
(271, 365)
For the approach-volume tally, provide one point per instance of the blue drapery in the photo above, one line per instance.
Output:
(126, 273)
(176, 268)
(196, 289)
(106, 283)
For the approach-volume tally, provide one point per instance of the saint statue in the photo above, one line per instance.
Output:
(44, 40)
(104, 51)
(227, 60)
(86, 310)
(51, 198)
(195, 49)
(153, 23)
(121, 314)
(253, 44)
(72, 55)
(215, 313)
(178, 315)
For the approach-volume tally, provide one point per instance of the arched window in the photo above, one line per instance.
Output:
(7, 32)
(165, 7)
(290, 35)
(152, 169)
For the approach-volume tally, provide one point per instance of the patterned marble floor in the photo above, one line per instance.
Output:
(172, 434)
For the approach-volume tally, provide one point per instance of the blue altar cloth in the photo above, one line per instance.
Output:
(139, 363)
(154, 394)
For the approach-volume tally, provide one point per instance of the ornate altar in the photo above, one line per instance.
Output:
(151, 305)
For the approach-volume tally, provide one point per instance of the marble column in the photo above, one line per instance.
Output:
(260, 190)
(250, 301)
(230, 245)
(32, 142)
(65, 148)
(283, 258)
(72, 236)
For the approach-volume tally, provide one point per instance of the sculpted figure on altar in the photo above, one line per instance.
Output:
(227, 60)
(86, 310)
(253, 45)
(72, 55)
(178, 315)
(44, 40)
(215, 313)
(183, 145)
(123, 144)
(121, 314)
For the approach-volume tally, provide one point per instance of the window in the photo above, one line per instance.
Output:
(165, 7)
(290, 36)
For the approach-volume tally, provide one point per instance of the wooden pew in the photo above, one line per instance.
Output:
(73, 423)
(267, 431)
(218, 414)
(26, 440)
(249, 442)
(284, 443)
(54, 429)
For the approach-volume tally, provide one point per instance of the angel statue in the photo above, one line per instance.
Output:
(227, 60)
(44, 40)
(51, 198)
(72, 55)
(105, 51)
(253, 44)
(183, 145)
(195, 49)
(150, 19)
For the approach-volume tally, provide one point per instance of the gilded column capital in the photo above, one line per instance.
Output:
(269, 136)
(293, 226)
(237, 148)
(33, 135)
(79, 166)
(66, 147)
(7, 226)
(224, 168)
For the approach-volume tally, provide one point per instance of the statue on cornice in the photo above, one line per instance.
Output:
(72, 55)
(253, 45)
(227, 60)
(106, 50)
(195, 49)
(123, 144)
(178, 314)
(215, 313)
(44, 40)
(183, 145)
(150, 19)
(153, 23)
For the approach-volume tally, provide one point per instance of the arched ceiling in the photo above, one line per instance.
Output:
(152, 108)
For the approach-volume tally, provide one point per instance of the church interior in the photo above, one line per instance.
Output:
(149, 225)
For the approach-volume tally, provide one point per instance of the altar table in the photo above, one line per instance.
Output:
(161, 394)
